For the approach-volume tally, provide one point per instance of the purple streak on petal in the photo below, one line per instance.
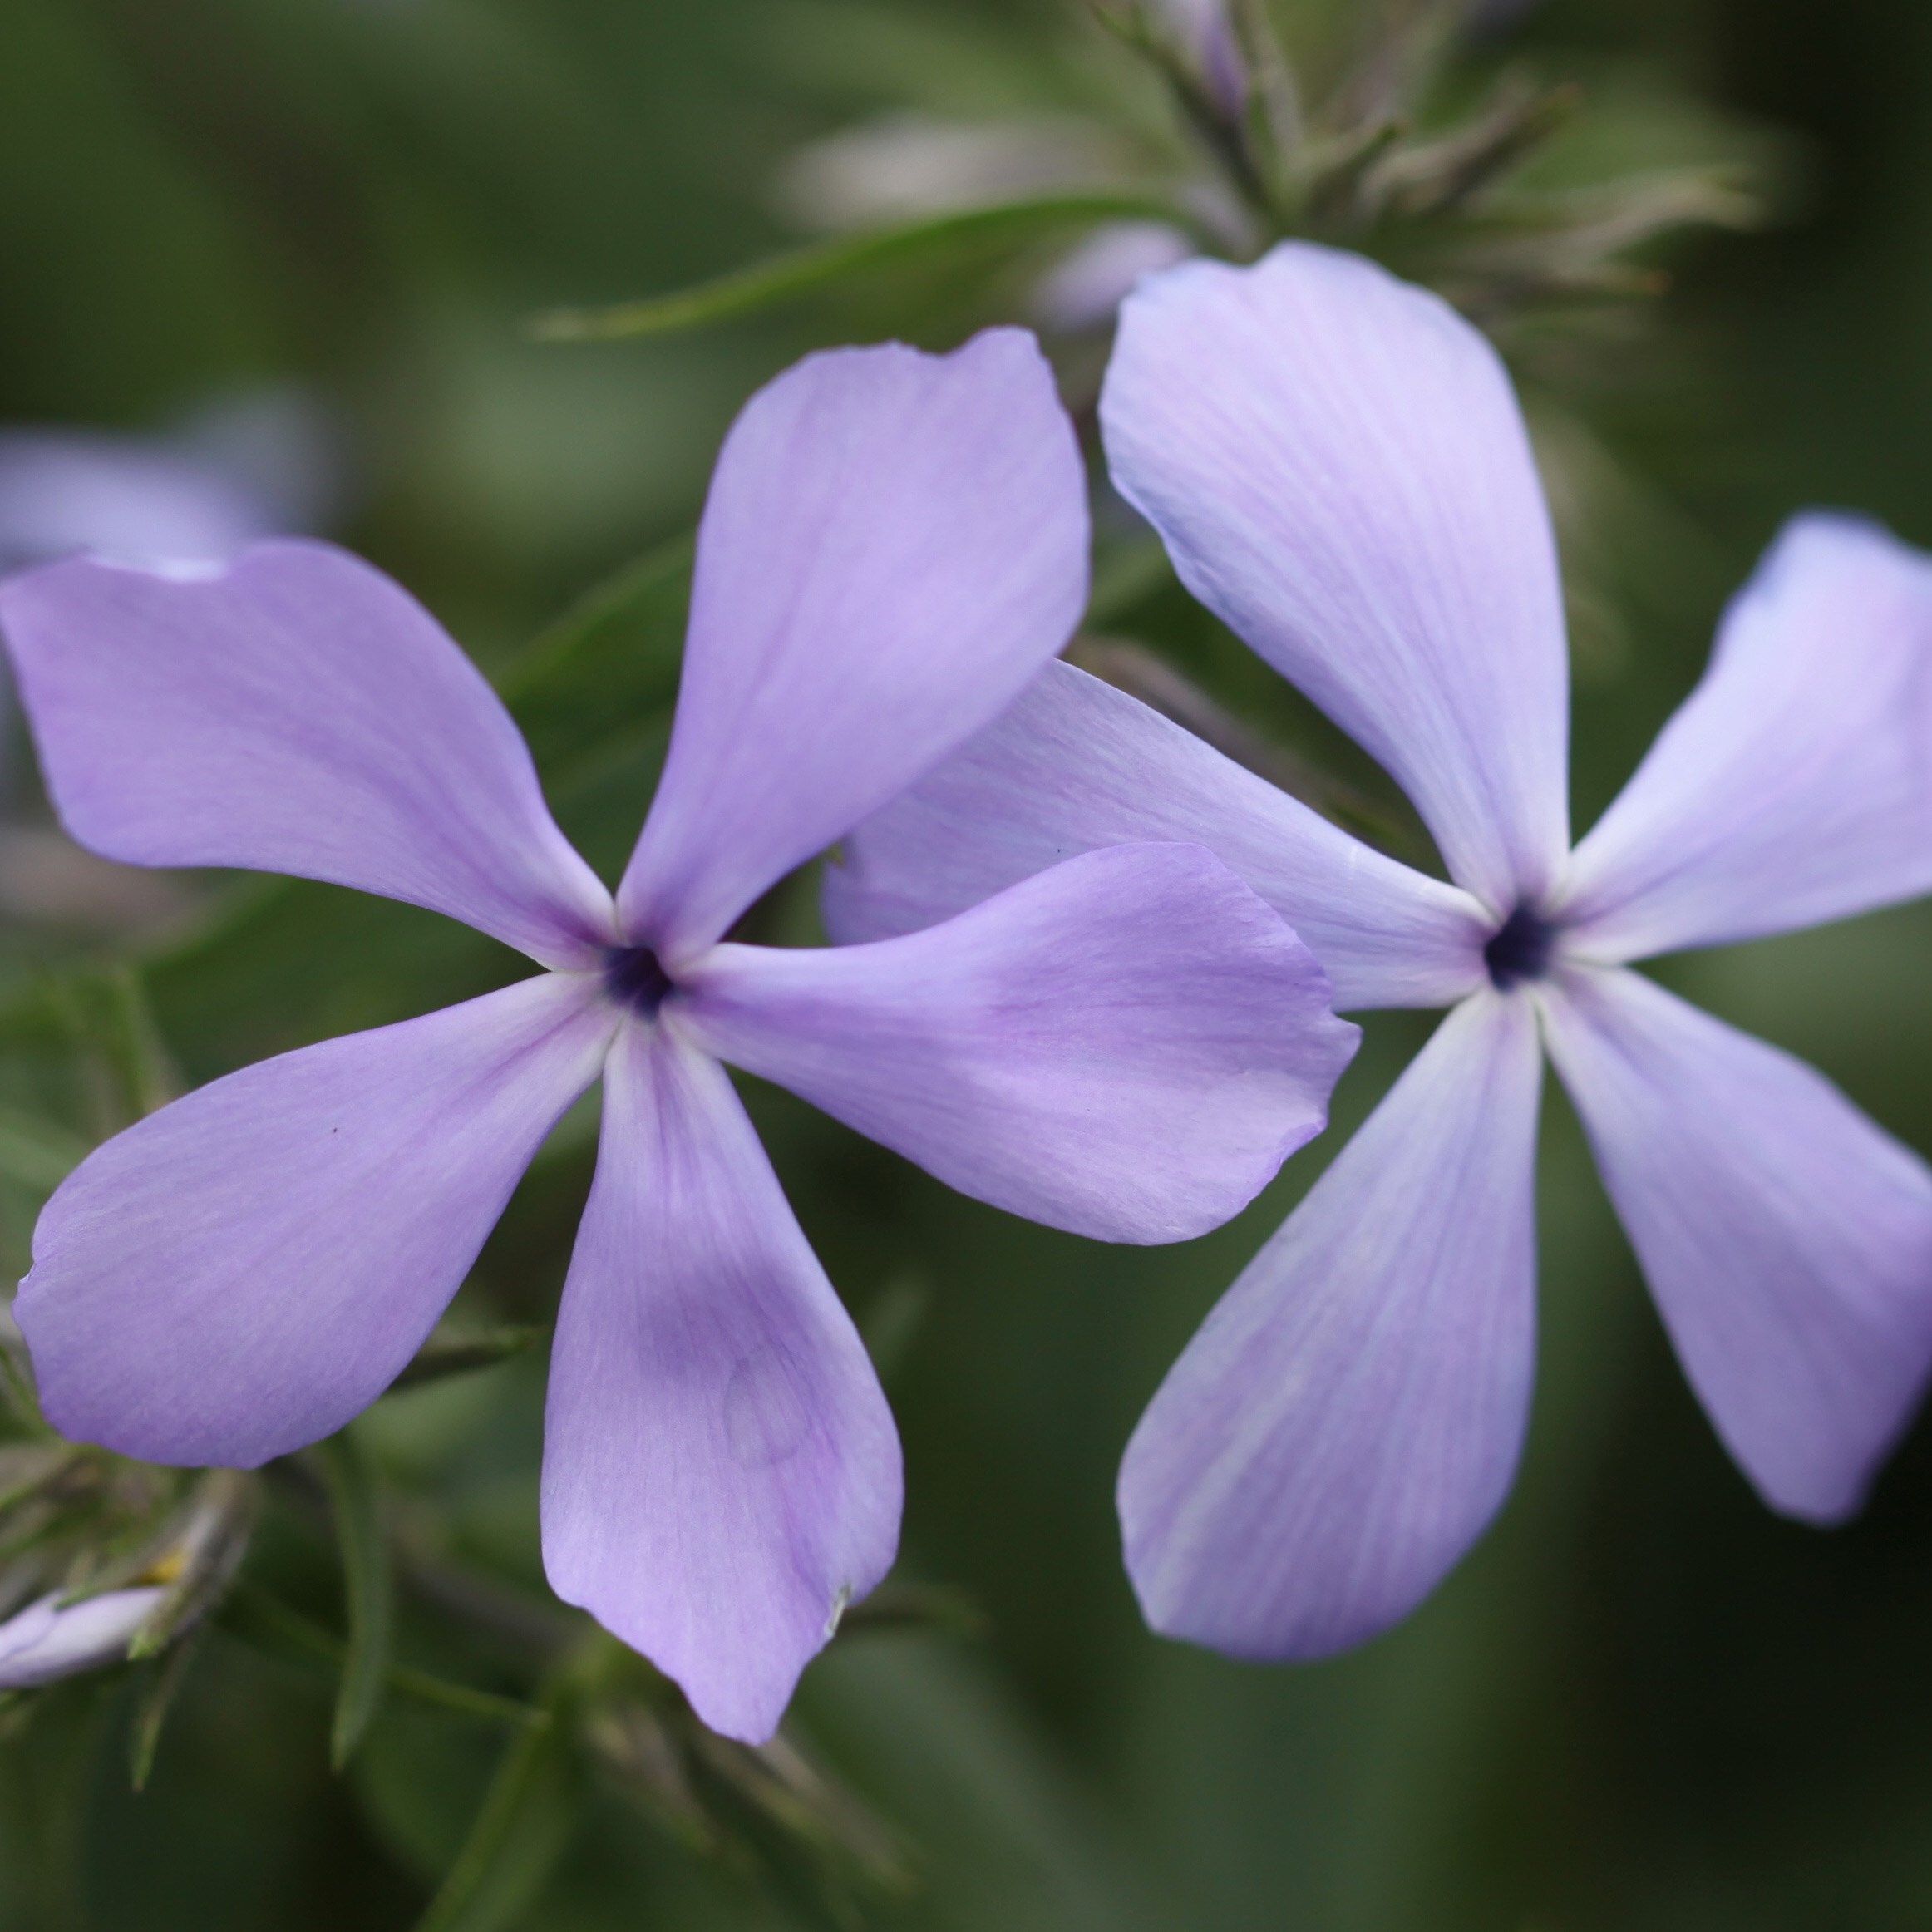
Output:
(1348, 1419)
(1127, 1046)
(720, 1472)
(894, 545)
(1338, 466)
(244, 1271)
(1076, 764)
(1787, 1241)
(45, 1641)
(297, 712)
(1794, 783)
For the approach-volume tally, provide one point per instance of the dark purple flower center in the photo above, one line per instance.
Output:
(633, 977)
(1520, 948)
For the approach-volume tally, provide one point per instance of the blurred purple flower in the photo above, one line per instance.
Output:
(1085, 289)
(256, 463)
(234, 472)
(48, 1639)
(1205, 32)
(1338, 468)
(1126, 1046)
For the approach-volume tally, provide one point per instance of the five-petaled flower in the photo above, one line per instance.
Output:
(1127, 1046)
(1338, 466)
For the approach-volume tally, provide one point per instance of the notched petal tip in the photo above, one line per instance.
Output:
(293, 711)
(893, 544)
(1794, 786)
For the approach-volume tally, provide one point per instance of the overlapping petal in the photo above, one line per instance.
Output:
(1339, 470)
(1127, 1046)
(1795, 784)
(1349, 1418)
(295, 713)
(893, 545)
(1787, 1241)
(244, 1271)
(720, 1472)
(1075, 765)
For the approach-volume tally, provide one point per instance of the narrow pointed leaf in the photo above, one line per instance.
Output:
(516, 1839)
(800, 272)
(455, 1350)
(204, 1559)
(266, 1623)
(368, 1587)
(164, 1677)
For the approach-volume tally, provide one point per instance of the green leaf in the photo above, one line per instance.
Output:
(268, 1624)
(905, 1605)
(517, 1838)
(1125, 576)
(801, 271)
(368, 1587)
(163, 1679)
(595, 695)
(455, 1351)
(135, 1040)
(609, 663)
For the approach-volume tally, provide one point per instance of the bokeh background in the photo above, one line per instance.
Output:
(297, 243)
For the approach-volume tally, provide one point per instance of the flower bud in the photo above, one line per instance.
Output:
(49, 1638)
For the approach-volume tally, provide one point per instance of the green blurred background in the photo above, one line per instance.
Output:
(1643, 1702)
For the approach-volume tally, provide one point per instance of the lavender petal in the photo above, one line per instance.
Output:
(1788, 1241)
(1339, 469)
(1127, 1046)
(1348, 1418)
(894, 545)
(1795, 784)
(297, 712)
(244, 1271)
(1076, 764)
(721, 1471)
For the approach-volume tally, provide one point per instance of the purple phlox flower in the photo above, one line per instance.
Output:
(52, 1639)
(231, 472)
(1126, 1046)
(1338, 468)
